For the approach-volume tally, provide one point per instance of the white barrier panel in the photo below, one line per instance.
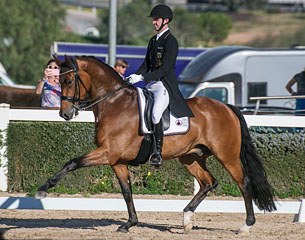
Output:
(47, 115)
(142, 205)
(275, 121)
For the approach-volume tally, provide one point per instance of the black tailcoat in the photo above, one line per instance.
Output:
(159, 65)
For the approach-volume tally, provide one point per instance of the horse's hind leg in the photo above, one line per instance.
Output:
(233, 166)
(196, 166)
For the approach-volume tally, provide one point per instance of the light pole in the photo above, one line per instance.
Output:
(112, 32)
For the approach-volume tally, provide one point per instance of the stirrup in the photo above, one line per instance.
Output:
(155, 159)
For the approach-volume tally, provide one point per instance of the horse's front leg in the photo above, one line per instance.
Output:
(122, 174)
(96, 157)
(69, 166)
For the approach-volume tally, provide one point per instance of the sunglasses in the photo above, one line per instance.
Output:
(52, 67)
(123, 66)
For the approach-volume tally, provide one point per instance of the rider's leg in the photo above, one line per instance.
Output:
(161, 101)
(156, 157)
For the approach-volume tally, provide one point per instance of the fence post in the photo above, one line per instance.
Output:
(4, 121)
(301, 214)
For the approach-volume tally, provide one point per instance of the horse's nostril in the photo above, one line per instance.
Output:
(65, 115)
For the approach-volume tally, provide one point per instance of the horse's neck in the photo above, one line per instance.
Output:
(103, 83)
(107, 86)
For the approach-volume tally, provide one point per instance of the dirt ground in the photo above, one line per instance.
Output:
(42, 224)
(55, 224)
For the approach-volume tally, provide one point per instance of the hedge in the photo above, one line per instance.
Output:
(37, 150)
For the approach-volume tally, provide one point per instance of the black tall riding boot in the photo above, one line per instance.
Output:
(156, 157)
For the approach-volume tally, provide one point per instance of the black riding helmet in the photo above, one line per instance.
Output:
(161, 11)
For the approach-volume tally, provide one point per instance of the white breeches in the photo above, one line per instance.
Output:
(161, 99)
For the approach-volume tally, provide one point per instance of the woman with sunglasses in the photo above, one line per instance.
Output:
(49, 86)
(120, 67)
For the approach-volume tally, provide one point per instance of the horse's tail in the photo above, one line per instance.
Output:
(262, 191)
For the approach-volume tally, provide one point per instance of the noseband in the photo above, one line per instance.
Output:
(85, 104)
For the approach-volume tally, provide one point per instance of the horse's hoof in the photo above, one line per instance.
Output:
(188, 228)
(40, 195)
(244, 230)
(122, 230)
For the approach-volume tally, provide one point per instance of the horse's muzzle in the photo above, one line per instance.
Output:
(68, 114)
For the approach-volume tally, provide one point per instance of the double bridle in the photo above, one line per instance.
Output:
(85, 104)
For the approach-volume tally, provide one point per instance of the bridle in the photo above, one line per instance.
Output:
(78, 103)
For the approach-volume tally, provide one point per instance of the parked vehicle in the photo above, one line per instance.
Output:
(6, 81)
(233, 74)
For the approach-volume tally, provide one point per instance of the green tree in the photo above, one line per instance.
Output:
(186, 26)
(28, 28)
(133, 25)
(216, 27)
(191, 29)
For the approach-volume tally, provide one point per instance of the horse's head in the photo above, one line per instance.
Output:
(75, 84)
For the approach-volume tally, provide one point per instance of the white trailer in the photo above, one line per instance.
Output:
(250, 72)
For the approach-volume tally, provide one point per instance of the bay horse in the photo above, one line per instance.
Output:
(19, 97)
(217, 129)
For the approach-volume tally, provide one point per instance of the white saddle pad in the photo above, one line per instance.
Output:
(177, 125)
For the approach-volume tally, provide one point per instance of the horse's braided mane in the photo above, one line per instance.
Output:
(104, 65)
(96, 60)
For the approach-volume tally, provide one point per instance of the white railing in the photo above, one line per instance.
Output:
(258, 101)
(7, 115)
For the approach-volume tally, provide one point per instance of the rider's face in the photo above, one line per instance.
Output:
(157, 23)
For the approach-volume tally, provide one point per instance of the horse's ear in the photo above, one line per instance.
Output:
(68, 62)
(74, 62)
(71, 62)
(57, 60)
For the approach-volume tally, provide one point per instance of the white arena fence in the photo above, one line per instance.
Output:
(7, 114)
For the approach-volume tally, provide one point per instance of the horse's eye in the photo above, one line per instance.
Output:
(69, 82)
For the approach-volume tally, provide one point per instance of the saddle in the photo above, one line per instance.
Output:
(171, 125)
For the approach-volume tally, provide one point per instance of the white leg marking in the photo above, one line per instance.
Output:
(244, 230)
(187, 221)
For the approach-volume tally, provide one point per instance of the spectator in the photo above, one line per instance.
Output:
(120, 67)
(299, 78)
(49, 86)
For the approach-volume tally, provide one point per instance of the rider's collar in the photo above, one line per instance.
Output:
(161, 33)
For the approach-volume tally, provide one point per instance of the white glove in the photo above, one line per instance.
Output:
(134, 78)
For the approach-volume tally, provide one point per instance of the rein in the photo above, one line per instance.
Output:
(82, 105)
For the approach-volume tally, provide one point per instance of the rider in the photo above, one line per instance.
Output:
(158, 71)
